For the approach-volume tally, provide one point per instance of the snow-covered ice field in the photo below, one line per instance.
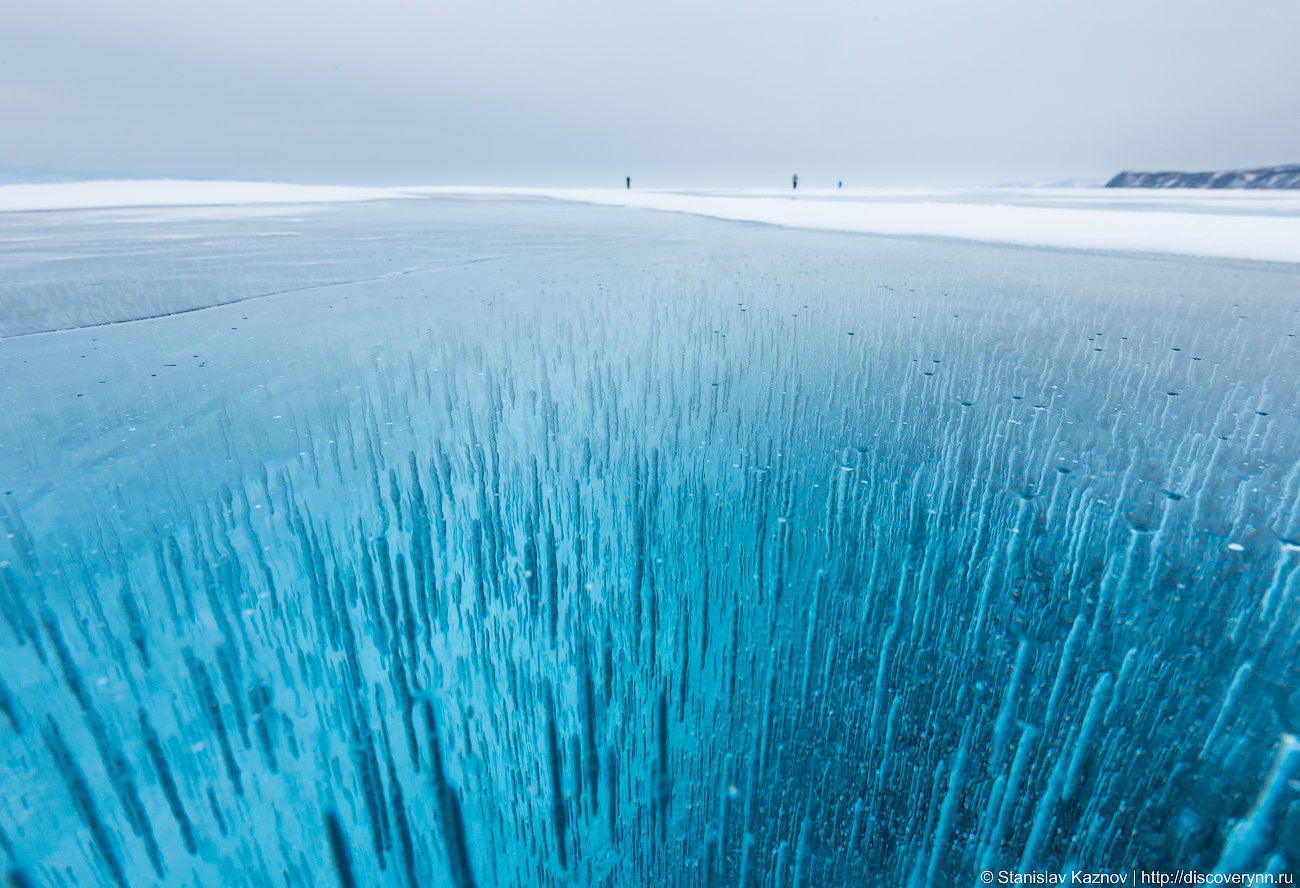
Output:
(539, 538)
(1260, 225)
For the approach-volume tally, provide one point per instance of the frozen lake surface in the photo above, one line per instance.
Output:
(505, 541)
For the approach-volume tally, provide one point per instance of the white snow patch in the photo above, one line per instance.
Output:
(1128, 223)
(175, 193)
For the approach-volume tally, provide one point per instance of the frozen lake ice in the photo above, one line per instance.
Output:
(469, 541)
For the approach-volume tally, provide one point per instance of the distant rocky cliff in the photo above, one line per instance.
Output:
(1267, 177)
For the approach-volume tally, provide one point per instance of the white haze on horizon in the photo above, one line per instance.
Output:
(675, 93)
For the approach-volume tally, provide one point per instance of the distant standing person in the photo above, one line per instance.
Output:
(796, 181)
(629, 183)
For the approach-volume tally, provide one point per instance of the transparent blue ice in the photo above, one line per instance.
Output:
(496, 542)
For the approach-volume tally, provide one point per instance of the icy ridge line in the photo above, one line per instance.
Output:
(1185, 228)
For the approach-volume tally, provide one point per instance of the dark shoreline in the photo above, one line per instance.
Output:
(1277, 177)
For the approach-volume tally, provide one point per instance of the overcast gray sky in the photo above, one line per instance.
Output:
(708, 92)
